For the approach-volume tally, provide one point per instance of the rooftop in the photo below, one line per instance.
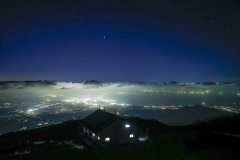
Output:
(99, 119)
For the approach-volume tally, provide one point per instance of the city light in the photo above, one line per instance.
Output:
(59, 105)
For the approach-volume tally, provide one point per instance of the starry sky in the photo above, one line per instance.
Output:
(127, 40)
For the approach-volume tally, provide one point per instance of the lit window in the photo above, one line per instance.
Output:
(127, 125)
(107, 139)
(131, 135)
(142, 138)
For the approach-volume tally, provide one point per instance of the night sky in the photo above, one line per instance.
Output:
(133, 40)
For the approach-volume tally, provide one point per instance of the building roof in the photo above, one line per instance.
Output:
(98, 120)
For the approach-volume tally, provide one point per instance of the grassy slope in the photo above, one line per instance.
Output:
(22, 139)
(199, 141)
(169, 146)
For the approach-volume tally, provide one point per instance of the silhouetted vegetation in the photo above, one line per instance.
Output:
(220, 145)
(225, 124)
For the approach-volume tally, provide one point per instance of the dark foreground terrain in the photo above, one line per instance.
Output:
(217, 138)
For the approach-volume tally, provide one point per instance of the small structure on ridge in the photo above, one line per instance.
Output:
(107, 128)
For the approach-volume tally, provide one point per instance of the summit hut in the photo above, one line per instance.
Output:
(107, 128)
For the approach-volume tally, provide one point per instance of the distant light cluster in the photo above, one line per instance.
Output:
(67, 101)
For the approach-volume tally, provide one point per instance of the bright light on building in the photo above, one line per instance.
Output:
(107, 139)
(93, 135)
(98, 138)
(131, 135)
(127, 125)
